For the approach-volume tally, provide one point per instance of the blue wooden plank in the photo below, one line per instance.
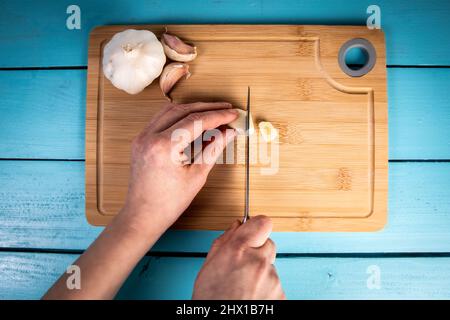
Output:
(42, 114)
(29, 275)
(35, 33)
(419, 113)
(42, 206)
(306, 278)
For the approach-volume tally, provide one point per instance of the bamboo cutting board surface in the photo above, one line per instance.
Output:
(333, 153)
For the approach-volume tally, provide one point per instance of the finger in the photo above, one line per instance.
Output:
(192, 126)
(255, 232)
(205, 160)
(175, 112)
(268, 250)
(223, 238)
(198, 145)
(166, 107)
(277, 292)
(184, 159)
(227, 234)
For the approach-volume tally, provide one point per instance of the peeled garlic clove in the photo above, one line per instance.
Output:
(176, 49)
(171, 74)
(240, 123)
(267, 131)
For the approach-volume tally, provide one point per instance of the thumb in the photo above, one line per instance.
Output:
(255, 231)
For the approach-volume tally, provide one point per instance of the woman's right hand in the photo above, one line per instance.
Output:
(240, 265)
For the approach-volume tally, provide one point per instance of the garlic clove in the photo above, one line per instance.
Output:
(171, 74)
(176, 49)
(267, 131)
(240, 123)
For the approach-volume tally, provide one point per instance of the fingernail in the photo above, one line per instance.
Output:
(233, 111)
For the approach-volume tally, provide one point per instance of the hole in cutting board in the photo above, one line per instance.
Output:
(357, 57)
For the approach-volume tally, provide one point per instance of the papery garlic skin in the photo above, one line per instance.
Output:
(132, 59)
(267, 131)
(240, 123)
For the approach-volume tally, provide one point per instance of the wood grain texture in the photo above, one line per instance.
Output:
(29, 275)
(43, 113)
(328, 170)
(42, 206)
(52, 44)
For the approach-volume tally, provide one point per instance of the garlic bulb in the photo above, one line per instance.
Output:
(240, 123)
(132, 59)
(267, 131)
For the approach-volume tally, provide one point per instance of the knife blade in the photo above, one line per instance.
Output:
(247, 160)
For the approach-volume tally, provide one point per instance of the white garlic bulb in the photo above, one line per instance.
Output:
(132, 59)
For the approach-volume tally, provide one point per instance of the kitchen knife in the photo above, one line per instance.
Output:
(247, 159)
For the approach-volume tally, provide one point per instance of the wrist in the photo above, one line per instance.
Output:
(143, 224)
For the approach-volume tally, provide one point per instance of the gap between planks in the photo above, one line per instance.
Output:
(165, 254)
(389, 66)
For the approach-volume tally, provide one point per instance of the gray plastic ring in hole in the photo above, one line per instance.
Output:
(357, 43)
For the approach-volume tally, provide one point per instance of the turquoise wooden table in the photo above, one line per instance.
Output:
(42, 107)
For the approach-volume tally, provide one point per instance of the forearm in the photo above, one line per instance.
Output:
(109, 260)
(161, 186)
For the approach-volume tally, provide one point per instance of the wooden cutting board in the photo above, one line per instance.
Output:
(333, 139)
